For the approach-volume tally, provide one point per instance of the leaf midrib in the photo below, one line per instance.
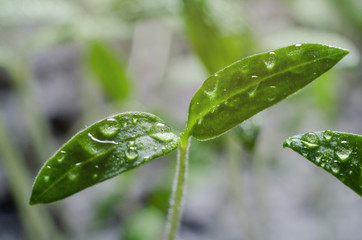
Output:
(204, 113)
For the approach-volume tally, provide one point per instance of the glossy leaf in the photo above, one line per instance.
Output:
(338, 153)
(252, 84)
(101, 151)
(109, 70)
(216, 42)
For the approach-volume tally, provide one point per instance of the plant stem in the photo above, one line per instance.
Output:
(178, 190)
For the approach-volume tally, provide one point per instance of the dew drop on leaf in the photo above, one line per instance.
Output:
(327, 135)
(131, 154)
(310, 140)
(343, 151)
(95, 175)
(62, 156)
(211, 90)
(270, 60)
(163, 137)
(335, 168)
(318, 156)
(110, 127)
(46, 178)
(253, 91)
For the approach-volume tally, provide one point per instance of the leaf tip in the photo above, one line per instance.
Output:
(32, 200)
(287, 143)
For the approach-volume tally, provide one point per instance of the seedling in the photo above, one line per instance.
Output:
(122, 142)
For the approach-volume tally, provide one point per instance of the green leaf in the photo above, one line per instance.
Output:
(109, 70)
(102, 151)
(338, 153)
(255, 83)
(216, 41)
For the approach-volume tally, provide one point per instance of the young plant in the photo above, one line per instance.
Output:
(227, 98)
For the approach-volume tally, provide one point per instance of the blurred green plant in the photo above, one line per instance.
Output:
(227, 98)
(109, 71)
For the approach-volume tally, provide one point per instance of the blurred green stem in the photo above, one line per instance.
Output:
(178, 191)
(37, 223)
(39, 128)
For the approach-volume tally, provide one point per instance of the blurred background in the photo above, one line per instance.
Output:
(66, 64)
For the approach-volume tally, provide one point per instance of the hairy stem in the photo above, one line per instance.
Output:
(178, 191)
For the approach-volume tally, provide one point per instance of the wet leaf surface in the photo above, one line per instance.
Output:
(102, 151)
(338, 153)
(255, 83)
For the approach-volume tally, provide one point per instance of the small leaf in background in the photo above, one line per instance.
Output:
(338, 153)
(109, 70)
(247, 133)
(255, 83)
(217, 41)
(102, 151)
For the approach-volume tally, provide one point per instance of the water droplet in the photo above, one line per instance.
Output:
(131, 154)
(61, 156)
(269, 60)
(289, 141)
(211, 89)
(110, 127)
(101, 141)
(164, 149)
(164, 137)
(48, 166)
(318, 156)
(72, 175)
(96, 166)
(197, 103)
(343, 151)
(254, 77)
(298, 45)
(200, 121)
(350, 172)
(46, 178)
(134, 120)
(215, 75)
(327, 135)
(272, 93)
(253, 91)
(310, 140)
(335, 168)
(95, 175)
(224, 89)
(78, 164)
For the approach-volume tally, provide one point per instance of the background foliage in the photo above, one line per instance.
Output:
(66, 64)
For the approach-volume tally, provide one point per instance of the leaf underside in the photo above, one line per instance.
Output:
(255, 83)
(338, 153)
(102, 151)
